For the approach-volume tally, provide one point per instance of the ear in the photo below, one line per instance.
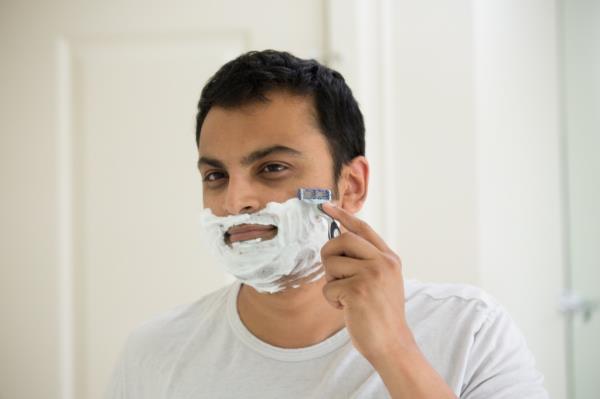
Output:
(353, 184)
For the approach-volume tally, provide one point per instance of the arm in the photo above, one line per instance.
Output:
(407, 374)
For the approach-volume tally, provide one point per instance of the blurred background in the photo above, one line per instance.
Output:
(483, 131)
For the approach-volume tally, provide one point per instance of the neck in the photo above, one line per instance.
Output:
(293, 318)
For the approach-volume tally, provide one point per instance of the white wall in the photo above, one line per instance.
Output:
(519, 168)
(581, 27)
(416, 93)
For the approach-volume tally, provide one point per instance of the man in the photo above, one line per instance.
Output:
(326, 318)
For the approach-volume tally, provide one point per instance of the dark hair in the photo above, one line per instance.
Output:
(250, 77)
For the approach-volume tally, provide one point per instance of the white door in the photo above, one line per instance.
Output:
(100, 193)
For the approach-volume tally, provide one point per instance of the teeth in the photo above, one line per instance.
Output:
(246, 242)
(252, 241)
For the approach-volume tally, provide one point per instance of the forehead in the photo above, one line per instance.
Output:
(284, 120)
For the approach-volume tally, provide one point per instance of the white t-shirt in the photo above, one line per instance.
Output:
(202, 350)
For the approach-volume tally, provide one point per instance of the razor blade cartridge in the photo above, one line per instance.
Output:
(314, 195)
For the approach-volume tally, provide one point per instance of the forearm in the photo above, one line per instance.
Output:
(407, 375)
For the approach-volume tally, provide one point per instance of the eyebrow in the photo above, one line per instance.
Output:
(252, 157)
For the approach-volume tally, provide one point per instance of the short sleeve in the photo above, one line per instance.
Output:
(500, 365)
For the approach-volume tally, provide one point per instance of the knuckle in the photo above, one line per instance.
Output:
(375, 272)
(344, 240)
(360, 290)
(325, 250)
(392, 260)
(345, 237)
(327, 291)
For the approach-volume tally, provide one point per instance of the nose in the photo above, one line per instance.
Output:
(241, 197)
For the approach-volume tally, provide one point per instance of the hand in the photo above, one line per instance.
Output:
(364, 279)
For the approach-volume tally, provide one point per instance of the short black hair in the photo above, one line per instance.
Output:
(251, 76)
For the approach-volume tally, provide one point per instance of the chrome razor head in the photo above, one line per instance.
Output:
(314, 195)
(319, 196)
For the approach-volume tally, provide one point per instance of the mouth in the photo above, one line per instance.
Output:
(245, 232)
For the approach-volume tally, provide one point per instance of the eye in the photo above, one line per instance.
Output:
(213, 176)
(274, 168)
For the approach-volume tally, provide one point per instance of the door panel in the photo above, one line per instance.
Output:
(133, 103)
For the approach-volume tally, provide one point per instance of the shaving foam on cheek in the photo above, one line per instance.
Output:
(292, 255)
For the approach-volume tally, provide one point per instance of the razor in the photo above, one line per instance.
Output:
(319, 196)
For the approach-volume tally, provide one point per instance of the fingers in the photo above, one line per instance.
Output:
(336, 292)
(356, 263)
(350, 245)
(349, 292)
(355, 225)
(343, 267)
(339, 267)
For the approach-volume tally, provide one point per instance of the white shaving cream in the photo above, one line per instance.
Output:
(274, 264)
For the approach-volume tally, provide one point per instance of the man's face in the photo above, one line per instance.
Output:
(260, 153)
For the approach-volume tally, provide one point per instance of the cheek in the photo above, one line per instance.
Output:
(279, 195)
(319, 172)
(211, 200)
(320, 176)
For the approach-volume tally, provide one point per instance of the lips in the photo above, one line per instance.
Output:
(245, 232)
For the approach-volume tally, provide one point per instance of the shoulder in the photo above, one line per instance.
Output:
(473, 341)
(449, 304)
(153, 348)
(168, 329)
(448, 292)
